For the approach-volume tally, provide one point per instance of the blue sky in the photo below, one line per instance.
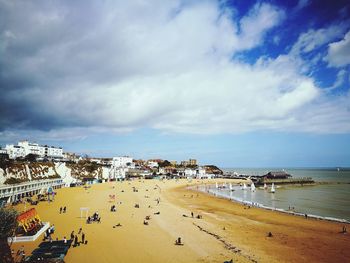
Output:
(234, 83)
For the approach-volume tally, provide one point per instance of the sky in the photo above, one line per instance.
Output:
(232, 83)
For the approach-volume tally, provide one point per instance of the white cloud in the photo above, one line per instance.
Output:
(339, 52)
(339, 80)
(313, 39)
(165, 65)
(302, 3)
(259, 20)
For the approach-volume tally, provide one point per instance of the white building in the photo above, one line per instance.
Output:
(201, 173)
(152, 164)
(198, 173)
(190, 172)
(31, 148)
(120, 166)
(122, 162)
(55, 152)
(3, 151)
(14, 151)
(24, 148)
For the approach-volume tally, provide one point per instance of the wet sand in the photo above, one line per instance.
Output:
(226, 231)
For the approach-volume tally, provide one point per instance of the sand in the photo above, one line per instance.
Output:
(227, 230)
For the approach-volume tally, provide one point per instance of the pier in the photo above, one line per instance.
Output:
(302, 180)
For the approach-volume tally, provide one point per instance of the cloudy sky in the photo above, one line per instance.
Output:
(235, 83)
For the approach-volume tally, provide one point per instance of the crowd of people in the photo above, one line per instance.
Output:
(94, 218)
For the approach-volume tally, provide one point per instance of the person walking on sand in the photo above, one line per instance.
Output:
(76, 240)
(64, 209)
(61, 210)
(83, 238)
(72, 235)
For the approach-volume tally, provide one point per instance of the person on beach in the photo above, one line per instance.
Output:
(80, 229)
(64, 240)
(76, 240)
(344, 230)
(178, 241)
(72, 235)
(61, 210)
(52, 229)
(83, 238)
(64, 209)
(192, 214)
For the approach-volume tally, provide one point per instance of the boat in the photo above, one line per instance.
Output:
(273, 188)
(252, 187)
(231, 187)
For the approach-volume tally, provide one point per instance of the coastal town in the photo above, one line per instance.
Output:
(28, 164)
(45, 184)
(29, 168)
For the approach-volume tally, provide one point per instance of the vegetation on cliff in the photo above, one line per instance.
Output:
(20, 171)
(85, 170)
(212, 169)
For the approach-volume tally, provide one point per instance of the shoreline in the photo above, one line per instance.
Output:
(225, 230)
(295, 239)
(259, 205)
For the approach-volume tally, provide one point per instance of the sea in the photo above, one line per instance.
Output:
(328, 198)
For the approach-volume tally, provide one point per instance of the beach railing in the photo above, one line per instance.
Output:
(16, 239)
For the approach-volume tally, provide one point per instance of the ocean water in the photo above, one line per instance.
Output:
(330, 198)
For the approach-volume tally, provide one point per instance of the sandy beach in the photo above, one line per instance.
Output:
(227, 230)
